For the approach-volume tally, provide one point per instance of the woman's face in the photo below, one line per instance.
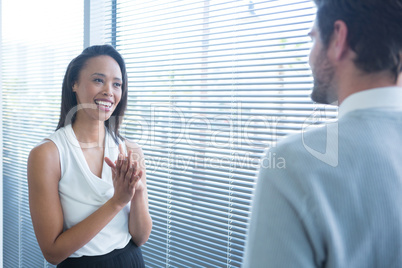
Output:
(98, 89)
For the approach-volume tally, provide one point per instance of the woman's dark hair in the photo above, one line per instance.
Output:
(68, 98)
(374, 31)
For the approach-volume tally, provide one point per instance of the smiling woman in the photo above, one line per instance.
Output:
(99, 69)
(99, 86)
(76, 201)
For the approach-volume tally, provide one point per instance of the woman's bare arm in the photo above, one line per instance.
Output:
(140, 222)
(46, 211)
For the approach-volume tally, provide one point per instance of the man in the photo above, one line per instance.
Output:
(338, 202)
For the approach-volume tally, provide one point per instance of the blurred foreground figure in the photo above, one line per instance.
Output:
(338, 200)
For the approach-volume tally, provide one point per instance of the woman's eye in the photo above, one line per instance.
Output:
(98, 80)
(117, 84)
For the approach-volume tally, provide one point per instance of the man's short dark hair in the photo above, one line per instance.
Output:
(374, 31)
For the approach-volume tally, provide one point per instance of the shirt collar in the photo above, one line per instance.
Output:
(385, 97)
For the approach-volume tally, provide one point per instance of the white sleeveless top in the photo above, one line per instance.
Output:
(82, 193)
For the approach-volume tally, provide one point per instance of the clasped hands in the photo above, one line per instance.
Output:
(126, 175)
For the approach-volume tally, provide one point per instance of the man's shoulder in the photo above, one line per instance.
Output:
(307, 149)
(315, 136)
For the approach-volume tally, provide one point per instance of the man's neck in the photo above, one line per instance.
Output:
(357, 82)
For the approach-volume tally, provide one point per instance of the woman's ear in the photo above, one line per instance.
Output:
(75, 86)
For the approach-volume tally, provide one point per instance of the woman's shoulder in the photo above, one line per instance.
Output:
(46, 149)
(44, 161)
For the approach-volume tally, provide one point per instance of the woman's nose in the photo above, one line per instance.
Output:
(108, 91)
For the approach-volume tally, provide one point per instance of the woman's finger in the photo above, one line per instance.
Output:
(131, 169)
(110, 163)
(129, 158)
(121, 150)
(135, 164)
(124, 166)
(119, 164)
(136, 177)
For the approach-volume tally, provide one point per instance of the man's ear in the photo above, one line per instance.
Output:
(339, 44)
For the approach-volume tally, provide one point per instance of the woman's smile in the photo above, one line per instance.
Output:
(99, 83)
(104, 105)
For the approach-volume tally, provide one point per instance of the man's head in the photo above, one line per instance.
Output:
(373, 33)
(325, 89)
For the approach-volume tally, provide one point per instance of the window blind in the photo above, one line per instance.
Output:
(212, 84)
(1, 149)
(39, 38)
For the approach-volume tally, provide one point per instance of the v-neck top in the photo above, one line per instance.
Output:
(82, 192)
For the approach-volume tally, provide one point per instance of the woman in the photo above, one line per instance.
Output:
(86, 213)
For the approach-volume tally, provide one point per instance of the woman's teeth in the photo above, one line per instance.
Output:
(104, 103)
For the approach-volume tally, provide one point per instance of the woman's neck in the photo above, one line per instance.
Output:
(89, 134)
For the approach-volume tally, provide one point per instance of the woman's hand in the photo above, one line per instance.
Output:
(126, 177)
